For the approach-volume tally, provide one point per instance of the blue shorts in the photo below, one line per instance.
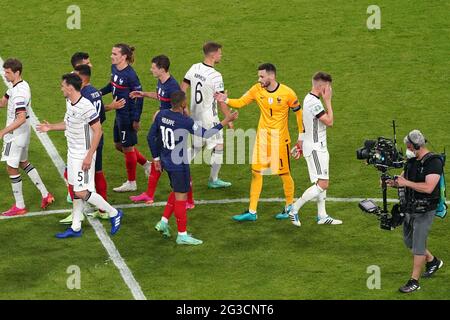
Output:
(99, 156)
(124, 133)
(180, 181)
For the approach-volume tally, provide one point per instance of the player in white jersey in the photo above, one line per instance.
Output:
(315, 122)
(83, 132)
(205, 81)
(16, 138)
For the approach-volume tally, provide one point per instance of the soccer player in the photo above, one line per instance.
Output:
(272, 146)
(77, 59)
(16, 138)
(168, 143)
(83, 132)
(316, 120)
(205, 81)
(165, 87)
(123, 81)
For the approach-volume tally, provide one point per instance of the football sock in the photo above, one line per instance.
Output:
(153, 179)
(36, 179)
(77, 213)
(170, 206)
(96, 200)
(180, 214)
(216, 164)
(16, 183)
(309, 194)
(288, 187)
(321, 211)
(100, 184)
(130, 163)
(190, 195)
(255, 190)
(139, 157)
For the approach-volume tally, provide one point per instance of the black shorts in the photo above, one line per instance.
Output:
(180, 181)
(99, 156)
(124, 133)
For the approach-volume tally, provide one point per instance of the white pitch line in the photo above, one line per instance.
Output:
(107, 243)
(197, 202)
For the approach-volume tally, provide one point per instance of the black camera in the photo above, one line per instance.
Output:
(382, 153)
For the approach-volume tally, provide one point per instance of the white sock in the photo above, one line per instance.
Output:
(77, 214)
(182, 233)
(216, 164)
(309, 194)
(164, 219)
(193, 152)
(16, 183)
(321, 211)
(252, 212)
(98, 201)
(36, 179)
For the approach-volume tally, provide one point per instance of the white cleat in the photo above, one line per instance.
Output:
(147, 168)
(328, 220)
(295, 220)
(126, 187)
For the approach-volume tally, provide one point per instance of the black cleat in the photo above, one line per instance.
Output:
(432, 267)
(410, 286)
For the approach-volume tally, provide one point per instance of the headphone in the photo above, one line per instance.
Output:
(415, 145)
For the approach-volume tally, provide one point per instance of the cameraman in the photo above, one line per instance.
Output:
(420, 179)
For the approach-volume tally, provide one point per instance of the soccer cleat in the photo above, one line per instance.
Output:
(187, 239)
(246, 216)
(69, 233)
(69, 198)
(126, 187)
(100, 215)
(432, 267)
(116, 222)
(295, 220)
(328, 220)
(143, 197)
(410, 286)
(68, 219)
(190, 206)
(284, 214)
(218, 184)
(147, 168)
(164, 228)
(14, 211)
(48, 200)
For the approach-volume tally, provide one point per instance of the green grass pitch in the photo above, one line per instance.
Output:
(398, 72)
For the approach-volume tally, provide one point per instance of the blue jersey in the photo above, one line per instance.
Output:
(121, 84)
(95, 97)
(168, 138)
(164, 90)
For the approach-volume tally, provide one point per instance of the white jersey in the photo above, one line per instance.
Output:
(315, 137)
(204, 81)
(78, 132)
(19, 98)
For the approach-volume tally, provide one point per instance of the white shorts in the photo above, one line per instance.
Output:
(81, 180)
(212, 142)
(13, 154)
(318, 162)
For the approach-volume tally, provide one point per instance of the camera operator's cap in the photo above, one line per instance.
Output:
(416, 138)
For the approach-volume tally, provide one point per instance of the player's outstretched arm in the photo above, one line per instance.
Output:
(45, 126)
(142, 94)
(202, 132)
(246, 99)
(114, 105)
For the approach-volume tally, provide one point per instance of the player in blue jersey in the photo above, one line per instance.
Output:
(168, 141)
(165, 87)
(123, 81)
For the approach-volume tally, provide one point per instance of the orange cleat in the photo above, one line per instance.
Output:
(48, 200)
